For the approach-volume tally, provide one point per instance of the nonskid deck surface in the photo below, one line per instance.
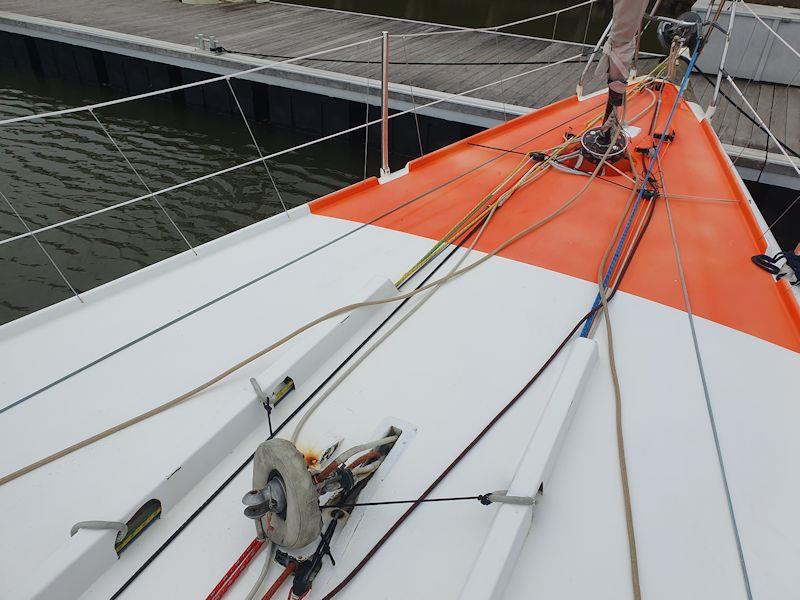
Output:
(441, 377)
(716, 230)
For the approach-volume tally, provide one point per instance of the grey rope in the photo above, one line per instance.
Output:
(258, 148)
(500, 497)
(555, 26)
(366, 133)
(366, 119)
(766, 150)
(41, 247)
(704, 381)
(141, 179)
(588, 21)
(413, 99)
(652, 14)
(500, 72)
(745, 54)
(780, 216)
(497, 28)
(263, 276)
(254, 161)
(791, 205)
(192, 84)
(774, 139)
(249, 283)
(553, 37)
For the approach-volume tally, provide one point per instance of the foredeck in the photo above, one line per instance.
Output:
(445, 372)
(278, 31)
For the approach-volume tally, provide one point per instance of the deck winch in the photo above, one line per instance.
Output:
(287, 494)
(284, 501)
(596, 144)
(292, 497)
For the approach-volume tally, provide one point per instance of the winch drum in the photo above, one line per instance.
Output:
(301, 522)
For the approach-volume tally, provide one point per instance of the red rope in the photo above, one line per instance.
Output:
(279, 581)
(236, 569)
(364, 458)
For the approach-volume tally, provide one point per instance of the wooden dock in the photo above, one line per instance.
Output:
(423, 68)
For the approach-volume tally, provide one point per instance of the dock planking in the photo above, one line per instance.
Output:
(279, 31)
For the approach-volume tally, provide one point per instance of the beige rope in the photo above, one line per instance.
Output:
(334, 313)
(532, 174)
(330, 315)
(623, 465)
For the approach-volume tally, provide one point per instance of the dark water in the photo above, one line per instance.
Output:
(62, 167)
(780, 208)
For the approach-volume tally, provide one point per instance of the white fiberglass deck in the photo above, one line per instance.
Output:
(439, 378)
(445, 387)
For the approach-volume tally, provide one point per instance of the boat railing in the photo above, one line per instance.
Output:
(262, 158)
(319, 50)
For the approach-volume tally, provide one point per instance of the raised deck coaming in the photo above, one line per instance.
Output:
(444, 373)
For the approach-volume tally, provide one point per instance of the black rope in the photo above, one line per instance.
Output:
(722, 93)
(269, 417)
(278, 429)
(263, 276)
(222, 50)
(498, 149)
(600, 177)
(623, 269)
(478, 497)
(770, 264)
(241, 467)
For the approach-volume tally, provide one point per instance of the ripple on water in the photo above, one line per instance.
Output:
(58, 168)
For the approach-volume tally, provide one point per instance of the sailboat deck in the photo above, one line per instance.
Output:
(440, 378)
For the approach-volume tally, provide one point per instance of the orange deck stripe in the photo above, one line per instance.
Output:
(716, 238)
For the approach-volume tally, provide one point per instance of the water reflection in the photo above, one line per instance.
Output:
(58, 168)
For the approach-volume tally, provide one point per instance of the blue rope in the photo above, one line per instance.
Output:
(653, 159)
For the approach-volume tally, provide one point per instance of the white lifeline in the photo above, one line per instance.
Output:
(440, 378)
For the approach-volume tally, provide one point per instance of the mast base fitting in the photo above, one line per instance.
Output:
(595, 145)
